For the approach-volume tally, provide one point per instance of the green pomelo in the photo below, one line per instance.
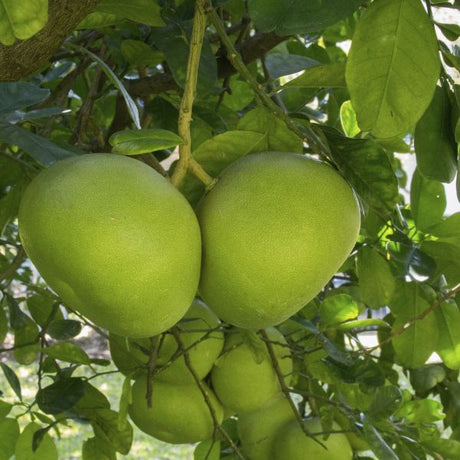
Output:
(179, 413)
(257, 429)
(115, 240)
(243, 377)
(203, 343)
(275, 228)
(292, 443)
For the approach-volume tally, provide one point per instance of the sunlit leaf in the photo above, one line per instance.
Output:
(135, 142)
(24, 445)
(9, 432)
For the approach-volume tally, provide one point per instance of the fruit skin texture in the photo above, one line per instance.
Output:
(179, 413)
(243, 377)
(292, 443)
(198, 319)
(115, 240)
(275, 228)
(257, 429)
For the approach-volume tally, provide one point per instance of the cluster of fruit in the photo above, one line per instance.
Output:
(123, 247)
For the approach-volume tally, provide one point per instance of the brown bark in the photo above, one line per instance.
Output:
(27, 56)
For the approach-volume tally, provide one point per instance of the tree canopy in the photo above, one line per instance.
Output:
(188, 88)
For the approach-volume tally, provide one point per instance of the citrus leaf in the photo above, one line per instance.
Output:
(387, 399)
(435, 145)
(421, 411)
(135, 142)
(5, 408)
(27, 334)
(348, 119)
(299, 16)
(280, 64)
(9, 432)
(392, 67)
(428, 201)
(321, 76)
(41, 307)
(17, 95)
(63, 329)
(363, 323)
(366, 165)
(337, 309)
(67, 352)
(97, 449)
(138, 53)
(61, 395)
(372, 266)
(24, 445)
(21, 20)
(278, 137)
(125, 401)
(376, 442)
(12, 379)
(207, 450)
(142, 11)
(448, 320)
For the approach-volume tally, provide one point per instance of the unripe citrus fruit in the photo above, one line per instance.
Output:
(292, 443)
(179, 413)
(115, 240)
(198, 337)
(275, 228)
(258, 429)
(243, 377)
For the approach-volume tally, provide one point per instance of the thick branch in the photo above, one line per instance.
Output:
(27, 56)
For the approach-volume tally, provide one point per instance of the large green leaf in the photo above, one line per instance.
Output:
(299, 16)
(278, 137)
(61, 395)
(24, 446)
(435, 145)
(448, 317)
(39, 148)
(428, 201)
(21, 20)
(9, 432)
(143, 11)
(367, 166)
(371, 266)
(393, 66)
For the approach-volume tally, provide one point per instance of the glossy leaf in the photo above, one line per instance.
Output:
(17, 95)
(143, 11)
(24, 449)
(366, 165)
(393, 66)
(338, 309)
(21, 20)
(280, 64)
(321, 76)
(12, 379)
(277, 136)
(371, 266)
(428, 201)
(67, 352)
(135, 142)
(40, 148)
(299, 16)
(448, 348)
(61, 395)
(9, 432)
(435, 145)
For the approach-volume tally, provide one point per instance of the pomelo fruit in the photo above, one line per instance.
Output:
(115, 240)
(198, 336)
(179, 413)
(275, 228)
(292, 443)
(243, 377)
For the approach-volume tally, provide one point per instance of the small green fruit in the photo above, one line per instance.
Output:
(257, 429)
(243, 377)
(275, 228)
(115, 240)
(179, 413)
(292, 443)
(202, 345)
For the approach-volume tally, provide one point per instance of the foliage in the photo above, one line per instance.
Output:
(268, 78)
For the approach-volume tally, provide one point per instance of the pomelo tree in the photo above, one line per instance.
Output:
(339, 237)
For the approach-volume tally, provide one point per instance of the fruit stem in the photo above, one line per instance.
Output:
(175, 332)
(186, 160)
(284, 387)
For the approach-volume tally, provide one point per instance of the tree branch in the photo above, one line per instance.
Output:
(27, 56)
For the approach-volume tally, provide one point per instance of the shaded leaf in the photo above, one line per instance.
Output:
(392, 67)
(371, 266)
(41, 307)
(138, 53)
(387, 399)
(363, 323)
(24, 445)
(135, 142)
(9, 432)
(207, 450)
(12, 379)
(61, 395)
(5, 408)
(21, 20)
(435, 145)
(67, 352)
(299, 16)
(424, 378)
(143, 11)
(448, 348)
(3, 324)
(97, 449)
(376, 442)
(280, 64)
(17, 95)
(63, 329)
(125, 401)
(25, 335)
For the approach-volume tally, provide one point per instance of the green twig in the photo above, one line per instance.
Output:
(186, 160)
